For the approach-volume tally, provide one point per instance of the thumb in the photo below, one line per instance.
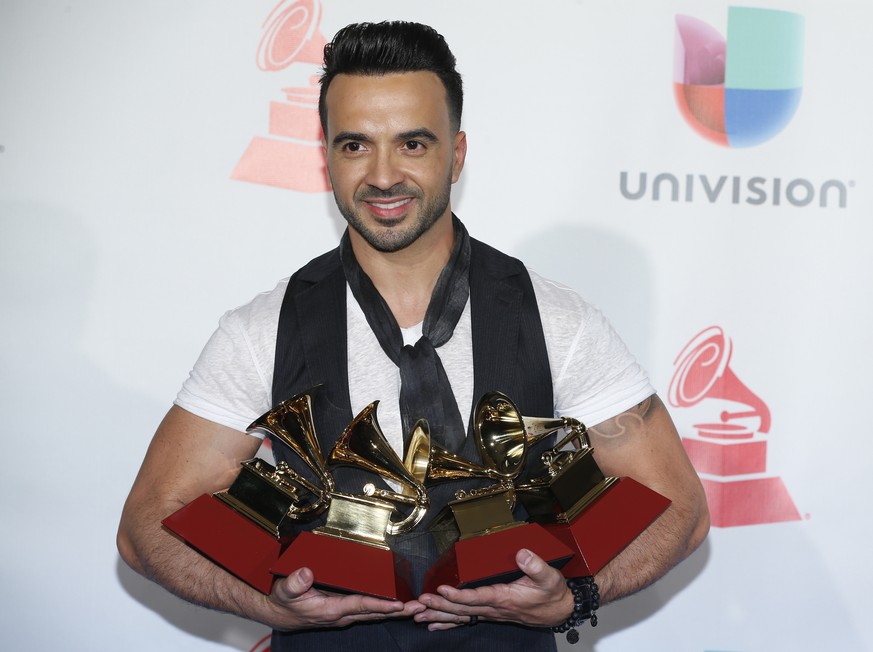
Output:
(295, 585)
(532, 565)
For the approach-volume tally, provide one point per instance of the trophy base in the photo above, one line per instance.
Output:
(490, 558)
(227, 538)
(605, 527)
(347, 566)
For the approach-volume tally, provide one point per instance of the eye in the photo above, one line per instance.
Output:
(414, 147)
(353, 147)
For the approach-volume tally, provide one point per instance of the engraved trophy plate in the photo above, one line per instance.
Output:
(477, 534)
(351, 552)
(478, 539)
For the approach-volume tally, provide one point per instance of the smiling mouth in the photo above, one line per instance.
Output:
(389, 213)
(390, 205)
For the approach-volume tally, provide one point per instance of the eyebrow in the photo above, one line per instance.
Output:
(418, 134)
(344, 136)
(412, 134)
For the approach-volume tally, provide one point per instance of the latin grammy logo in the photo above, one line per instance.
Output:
(291, 156)
(732, 447)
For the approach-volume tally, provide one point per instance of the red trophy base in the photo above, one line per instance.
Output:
(605, 527)
(490, 558)
(227, 538)
(347, 566)
(749, 502)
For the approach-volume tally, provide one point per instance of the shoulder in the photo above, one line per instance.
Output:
(318, 268)
(570, 319)
(594, 375)
(493, 261)
(264, 308)
(260, 312)
(563, 306)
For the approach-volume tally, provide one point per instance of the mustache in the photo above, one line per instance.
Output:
(398, 190)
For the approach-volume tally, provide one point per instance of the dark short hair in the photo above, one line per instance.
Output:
(391, 47)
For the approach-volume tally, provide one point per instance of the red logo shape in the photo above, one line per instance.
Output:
(291, 156)
(731, 447)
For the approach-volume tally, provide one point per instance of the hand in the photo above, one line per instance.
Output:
(540, 599)
(300, 606)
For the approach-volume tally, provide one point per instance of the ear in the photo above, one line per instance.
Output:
(459, 155)
(326, 157)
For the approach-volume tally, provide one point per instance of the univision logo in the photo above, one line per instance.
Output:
(754, 191)
(738, 92)
(742, 90)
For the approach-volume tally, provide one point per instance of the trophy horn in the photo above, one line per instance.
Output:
(445, 465)
(418, 452)
(363, 445)
(502, 438)
(292, 423)
(499, 430)
(504, 435)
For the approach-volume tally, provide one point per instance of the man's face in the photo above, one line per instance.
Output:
(392, 155)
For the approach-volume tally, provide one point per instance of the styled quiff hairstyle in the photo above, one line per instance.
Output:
(391, 47)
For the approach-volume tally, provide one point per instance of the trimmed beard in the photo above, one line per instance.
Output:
(396, 240)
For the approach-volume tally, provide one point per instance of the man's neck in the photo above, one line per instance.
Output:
(406, 278)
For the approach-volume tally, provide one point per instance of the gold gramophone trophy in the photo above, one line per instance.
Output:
(476, 534)
(351, 552)
(594, 515)
(245, 528)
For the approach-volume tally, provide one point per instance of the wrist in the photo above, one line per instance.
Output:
(275, 614)
(567, 604)
(586, 600)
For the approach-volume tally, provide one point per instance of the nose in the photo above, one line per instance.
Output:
(384, 171)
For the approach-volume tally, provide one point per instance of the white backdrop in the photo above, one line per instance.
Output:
(123, 238)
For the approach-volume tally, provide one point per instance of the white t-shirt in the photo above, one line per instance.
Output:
(594, 377)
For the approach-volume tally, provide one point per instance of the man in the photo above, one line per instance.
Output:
(472, 320)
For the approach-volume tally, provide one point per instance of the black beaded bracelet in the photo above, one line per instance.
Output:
(586, 600)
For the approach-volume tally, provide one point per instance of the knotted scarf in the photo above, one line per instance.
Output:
(425, 391)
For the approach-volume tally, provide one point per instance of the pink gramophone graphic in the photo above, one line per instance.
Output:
(733, 447)
(291, 156)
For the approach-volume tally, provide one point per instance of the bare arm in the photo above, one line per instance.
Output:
(643, 443)
(190, 456)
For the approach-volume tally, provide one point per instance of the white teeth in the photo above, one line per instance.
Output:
(394, 204)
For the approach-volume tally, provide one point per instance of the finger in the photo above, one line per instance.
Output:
(437, 627)
(539, 572)
(339, 611)
(356, 604)
(439, 604)
(469, 597)
(444, 619)
(413, 607)
(530, 564)
(538, 575)
(293, 586)
(480, 597)
(440, 620)
(442, 610)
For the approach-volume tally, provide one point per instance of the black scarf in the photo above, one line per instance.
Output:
(425, 391)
